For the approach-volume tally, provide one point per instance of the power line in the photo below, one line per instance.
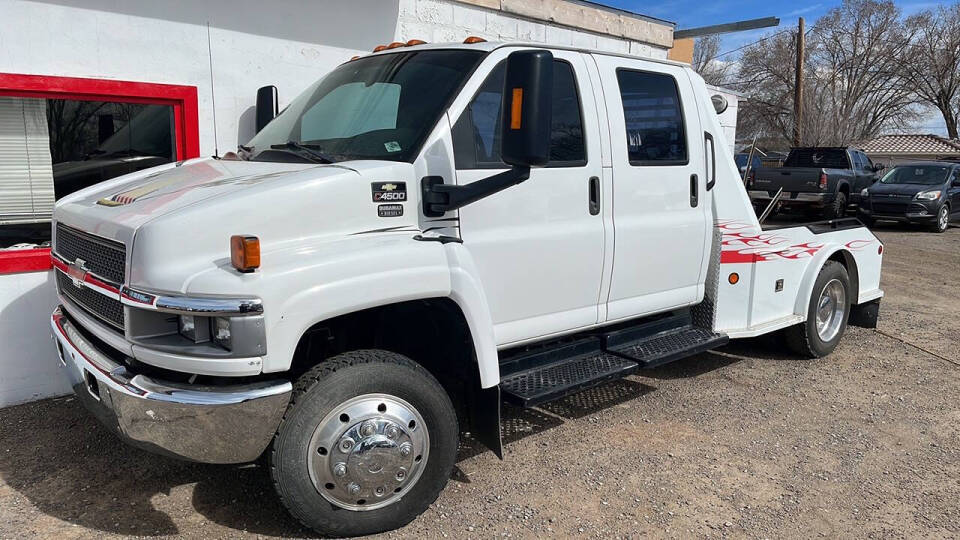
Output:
(771, 36)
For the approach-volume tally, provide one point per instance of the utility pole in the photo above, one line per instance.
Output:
(798, 88)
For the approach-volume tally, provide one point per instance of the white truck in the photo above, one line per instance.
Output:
(424, 233)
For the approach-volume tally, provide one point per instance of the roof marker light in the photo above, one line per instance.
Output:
(379, 48)
(396, 44)
(413, 42)
(474, 39)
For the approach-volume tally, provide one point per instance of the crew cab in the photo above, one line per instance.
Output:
(426, 232)
(820, 180)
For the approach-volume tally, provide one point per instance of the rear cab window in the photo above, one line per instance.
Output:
(653, 115)
(818, 158)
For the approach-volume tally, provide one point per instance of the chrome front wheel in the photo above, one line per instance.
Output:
(943, 218)
(368, 452)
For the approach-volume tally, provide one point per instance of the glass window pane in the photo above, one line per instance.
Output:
(653, 117)
(53, 147)
(476, 135)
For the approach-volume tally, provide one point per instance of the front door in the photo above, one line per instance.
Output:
(538, 246)
(661, 209)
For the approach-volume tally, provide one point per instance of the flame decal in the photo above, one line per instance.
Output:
(743, 243)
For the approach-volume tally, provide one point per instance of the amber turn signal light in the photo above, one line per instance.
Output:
(516, 108)
(733, 278)
(245, 252)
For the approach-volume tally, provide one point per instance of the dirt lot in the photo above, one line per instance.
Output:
(745, 442)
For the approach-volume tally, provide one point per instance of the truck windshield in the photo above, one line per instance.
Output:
(818, 158)
(926, 175)
(377, 107)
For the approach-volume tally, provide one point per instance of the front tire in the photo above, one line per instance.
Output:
(827, 314)
(942, 223)
(367, 444)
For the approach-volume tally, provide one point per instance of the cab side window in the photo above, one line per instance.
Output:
(654, 118)
(476, 135)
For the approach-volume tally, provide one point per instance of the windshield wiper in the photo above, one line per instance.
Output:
(305, 150)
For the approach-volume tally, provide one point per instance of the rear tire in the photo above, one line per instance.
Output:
(827, 314)
(358, 410)
(838, 208)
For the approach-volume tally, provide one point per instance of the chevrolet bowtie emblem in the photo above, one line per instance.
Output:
(389, 187)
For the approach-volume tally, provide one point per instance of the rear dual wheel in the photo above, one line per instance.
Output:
(827, 314)
(367, 444)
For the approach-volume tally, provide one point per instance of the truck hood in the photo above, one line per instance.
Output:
(176, 220)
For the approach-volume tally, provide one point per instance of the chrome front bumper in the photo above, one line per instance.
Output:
(208, 424)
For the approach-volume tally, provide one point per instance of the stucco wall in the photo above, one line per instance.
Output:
(447, 20)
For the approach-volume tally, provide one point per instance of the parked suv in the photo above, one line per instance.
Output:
(824, 180)
(923, 192)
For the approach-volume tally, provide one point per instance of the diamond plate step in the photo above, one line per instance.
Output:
(542, 384)
(668, 346)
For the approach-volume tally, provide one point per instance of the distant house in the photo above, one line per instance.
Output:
(893, 149)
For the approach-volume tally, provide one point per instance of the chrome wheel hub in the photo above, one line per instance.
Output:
(831, 308)
(943, 218)
(368, 452)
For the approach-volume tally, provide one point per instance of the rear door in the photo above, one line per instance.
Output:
(539, 245)
(661, 207)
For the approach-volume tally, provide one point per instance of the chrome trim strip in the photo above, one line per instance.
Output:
(190, 305)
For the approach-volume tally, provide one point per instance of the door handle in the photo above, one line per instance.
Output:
(594, 195)
(712, 174)
(694, 191)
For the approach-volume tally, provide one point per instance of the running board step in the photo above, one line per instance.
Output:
(545, 383)
(668, 346)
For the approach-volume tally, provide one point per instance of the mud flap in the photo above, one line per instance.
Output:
(485, 417)
(866, 314)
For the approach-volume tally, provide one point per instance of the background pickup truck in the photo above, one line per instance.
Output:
(818, 179)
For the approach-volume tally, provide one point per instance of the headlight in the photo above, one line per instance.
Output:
(221, 333)
(865, 192)
(928, 195)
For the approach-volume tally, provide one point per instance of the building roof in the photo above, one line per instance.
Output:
(913, 145)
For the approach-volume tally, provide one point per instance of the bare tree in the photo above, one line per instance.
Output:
(853, 88)
(706, 62)
(932, 64)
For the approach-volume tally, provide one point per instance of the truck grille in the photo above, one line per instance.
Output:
(105, 258)
(105, 308)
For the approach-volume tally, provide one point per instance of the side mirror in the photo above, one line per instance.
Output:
(877, 167)
(527, 109)
(527, 112)
(267, 106)
(956, 182)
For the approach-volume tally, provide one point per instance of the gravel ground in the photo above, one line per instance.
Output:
(744, 442)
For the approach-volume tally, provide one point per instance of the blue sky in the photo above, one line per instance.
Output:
(693, 13)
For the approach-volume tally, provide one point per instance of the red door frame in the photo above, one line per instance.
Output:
(183, 99)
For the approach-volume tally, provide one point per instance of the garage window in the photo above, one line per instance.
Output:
(59, 135)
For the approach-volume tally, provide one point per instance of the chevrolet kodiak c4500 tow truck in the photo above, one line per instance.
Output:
(424, 233)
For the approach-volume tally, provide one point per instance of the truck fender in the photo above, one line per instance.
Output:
(813, 270)
(466, 289)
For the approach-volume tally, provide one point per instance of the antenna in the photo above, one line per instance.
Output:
(213, 100)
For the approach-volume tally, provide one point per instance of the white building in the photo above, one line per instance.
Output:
(90, 89)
